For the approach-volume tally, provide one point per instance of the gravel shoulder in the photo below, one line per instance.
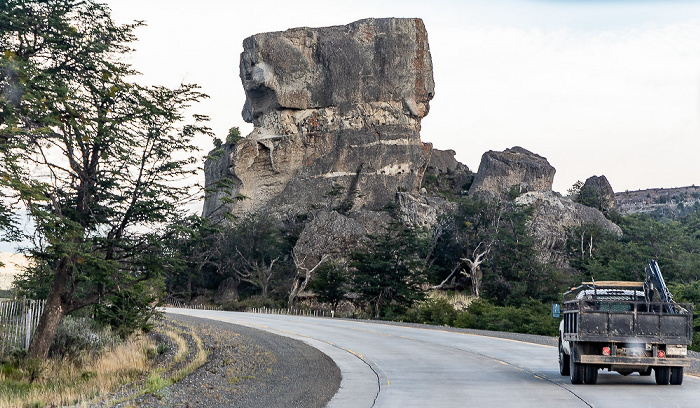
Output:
(244, 368)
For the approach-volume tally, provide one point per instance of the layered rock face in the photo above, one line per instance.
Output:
(516, 167)
(337, 114)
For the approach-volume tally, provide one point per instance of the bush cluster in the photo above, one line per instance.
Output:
(80, 335)
(531, 317)
(253, 302)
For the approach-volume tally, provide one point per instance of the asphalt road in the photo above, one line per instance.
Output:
(394, 366)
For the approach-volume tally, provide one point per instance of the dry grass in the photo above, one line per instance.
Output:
(65, 382)
(458, 300)
(79, 382)
(199, 358)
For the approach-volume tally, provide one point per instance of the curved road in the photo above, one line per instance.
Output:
(394, 366)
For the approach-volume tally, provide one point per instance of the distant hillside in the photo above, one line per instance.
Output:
(13, 266)
(663, 201)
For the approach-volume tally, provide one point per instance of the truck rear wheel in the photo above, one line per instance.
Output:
(663, 375)
(577, 371)
(590, 374)
(563, 360)
(677, 375)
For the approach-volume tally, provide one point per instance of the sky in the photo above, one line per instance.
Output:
(597, 87)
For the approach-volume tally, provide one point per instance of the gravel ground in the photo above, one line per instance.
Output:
(244, 368)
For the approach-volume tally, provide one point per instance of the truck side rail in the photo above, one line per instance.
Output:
(619, 321)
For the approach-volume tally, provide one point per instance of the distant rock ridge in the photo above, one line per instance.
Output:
(658, 200)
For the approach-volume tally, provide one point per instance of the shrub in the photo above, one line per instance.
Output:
(253, 302)
(531, 317)
(79, 335)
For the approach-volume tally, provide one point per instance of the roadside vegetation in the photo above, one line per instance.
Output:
(87, 363)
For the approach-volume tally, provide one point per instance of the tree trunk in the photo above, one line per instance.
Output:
(476, 281)
(54, 311)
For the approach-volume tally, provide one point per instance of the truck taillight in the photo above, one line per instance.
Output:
(661, 354)
(606, 351)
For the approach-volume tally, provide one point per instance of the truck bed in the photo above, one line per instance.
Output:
(627, 321)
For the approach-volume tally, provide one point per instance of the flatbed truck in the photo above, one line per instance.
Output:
(626, 327)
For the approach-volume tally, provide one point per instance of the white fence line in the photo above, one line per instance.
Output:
(293, 312)
(18, 321)
(181, 305)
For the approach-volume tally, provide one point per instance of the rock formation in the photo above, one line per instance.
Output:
(337, 114)
(553, 215)
(446, 174)
(597, 192)
(499, 172)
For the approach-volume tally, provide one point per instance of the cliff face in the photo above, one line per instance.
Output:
(337, 114)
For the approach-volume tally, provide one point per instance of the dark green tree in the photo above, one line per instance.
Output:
(389, 270)
(255, 251)
(330, 284)
(96, 160)
(673, 243)
(196, 243)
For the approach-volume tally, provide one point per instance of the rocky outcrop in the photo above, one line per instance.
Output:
(337, 114)
(335, 234)
(445, 174)
(227, 291)
(500, 172)
(421, 211)
(597, 192)
(552, 216)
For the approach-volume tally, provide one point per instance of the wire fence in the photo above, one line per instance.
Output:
(18, 321)
(181, 305)
(294, 312)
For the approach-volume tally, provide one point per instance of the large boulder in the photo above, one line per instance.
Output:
(500, 172)
(337, 114)
(385, 61)
(597, 192)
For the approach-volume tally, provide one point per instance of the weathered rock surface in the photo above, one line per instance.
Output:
(552, 216)
(335, 234)
(516, 167)
(598, 193)
(445, 173)
(337, 115)
(385, 61)
(421, 211)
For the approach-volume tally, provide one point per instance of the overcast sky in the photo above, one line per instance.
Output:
(596, 87)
